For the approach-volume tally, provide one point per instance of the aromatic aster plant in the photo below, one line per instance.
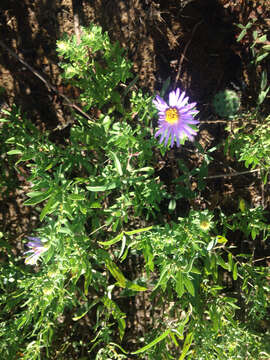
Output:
(110, 241)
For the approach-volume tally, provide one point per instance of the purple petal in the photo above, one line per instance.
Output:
(34, 239)
(160, 131)
(32, 259)
(187, 108)
(192, 121)
(182, 100)
(162, 136)
(173, 97)
(189, 129)
(167, 137)
(160, 104)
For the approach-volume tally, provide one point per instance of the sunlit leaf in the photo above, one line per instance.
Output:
(39, 198)
(235, 272)
(153, 343)
(110, 186)
(186, 346)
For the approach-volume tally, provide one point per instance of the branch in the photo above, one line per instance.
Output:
(49, 86)
(232, 174)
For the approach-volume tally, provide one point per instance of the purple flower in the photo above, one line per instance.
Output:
(176, 119)
(36, 249)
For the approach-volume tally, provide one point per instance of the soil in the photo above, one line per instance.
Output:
(192, 42)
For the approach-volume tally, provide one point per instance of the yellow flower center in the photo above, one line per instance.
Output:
(205, 225)
(171, 115)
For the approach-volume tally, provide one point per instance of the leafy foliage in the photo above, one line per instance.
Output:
(101, 204)
(252, 147)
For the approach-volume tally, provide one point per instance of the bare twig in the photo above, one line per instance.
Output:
(184, 53)
(266, 257)
(214, 122)
(76, 19)
(49, 86)
(231, 174)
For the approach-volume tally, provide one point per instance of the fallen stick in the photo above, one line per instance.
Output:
(49, 86)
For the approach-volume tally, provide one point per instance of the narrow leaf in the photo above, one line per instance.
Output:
(49, 207)
(76, 197)
(179, 284)
(14, 152)
(222, 263)
(153, 343)
(39, 198)
(235, 273)
(187, 343)
(137, 231)
(102, 187)
(189, 286)
(132, 286)
(116, 272)
(117, 164)
(112, 241)
(230, 262)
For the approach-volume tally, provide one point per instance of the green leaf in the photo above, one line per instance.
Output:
(49, 207)
(241, 35)
(262, 38)
(116, 313)
(11, 140)
(172, 205)
(195, 270)
(222, 263)
(261, 57)
(221, 239)
(242, 205)
(116, 239)
(27, 156)
(95, 205)
(117, 164)
(230, 262)
(235, 273)
(39, 198)
(164, 277)
(174, 339)
(116, 272)
(121, 327)
(132, 286)
(119, 237)
(266, 47)
(78, 317)
(14, 152)
(32, 194)
(263, 80)
(149, 256)
(179, 286)
(87, 281)
(110, 186)
(137, 231)
(153, 343)
(253, 234)
(76, 197)
(187, 343)
(189, 286)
